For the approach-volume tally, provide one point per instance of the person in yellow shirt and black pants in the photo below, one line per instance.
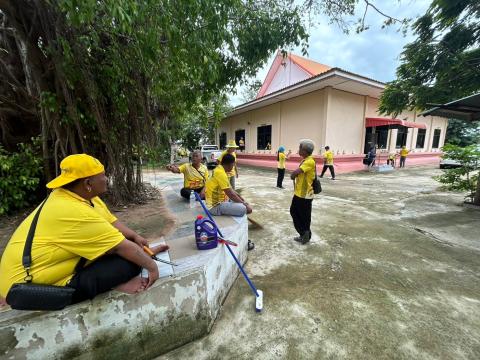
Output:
(301, 207)
(403, 156)
(281, 158)
(328, 162)
(195, 175)
(233, 173)
(77, 242)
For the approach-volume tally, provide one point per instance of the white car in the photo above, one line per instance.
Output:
(210, 154)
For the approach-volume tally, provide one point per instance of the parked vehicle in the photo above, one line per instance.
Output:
(449, 164)
(210, 154)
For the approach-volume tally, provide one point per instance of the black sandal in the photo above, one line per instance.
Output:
(250, 245)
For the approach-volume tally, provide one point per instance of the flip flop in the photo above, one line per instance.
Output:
(250, 245)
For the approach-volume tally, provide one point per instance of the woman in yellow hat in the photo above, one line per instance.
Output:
(77, 242)
(231, 147)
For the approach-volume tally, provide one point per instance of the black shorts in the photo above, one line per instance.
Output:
(102, 275)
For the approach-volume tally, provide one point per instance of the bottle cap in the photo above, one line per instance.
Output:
(199, 217)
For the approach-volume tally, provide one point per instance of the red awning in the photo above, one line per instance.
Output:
(371, 122)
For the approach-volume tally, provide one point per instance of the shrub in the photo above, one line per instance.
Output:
(465, 177)
(20, 174)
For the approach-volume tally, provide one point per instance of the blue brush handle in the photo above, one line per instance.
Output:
(254, 289)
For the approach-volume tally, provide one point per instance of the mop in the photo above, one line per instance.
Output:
(258, 293)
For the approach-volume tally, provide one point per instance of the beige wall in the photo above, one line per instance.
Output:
(303, 117)
(328, 117)
(345, 122)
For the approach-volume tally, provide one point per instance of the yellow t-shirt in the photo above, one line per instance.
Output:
(328, 157)
(281, 160)
(403, 152)
(193, 178)
(68, 228)
(303, 182)
(214, 190)
(230, 173)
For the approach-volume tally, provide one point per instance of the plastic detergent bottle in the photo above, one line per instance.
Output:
(192, 199)
(205, 233)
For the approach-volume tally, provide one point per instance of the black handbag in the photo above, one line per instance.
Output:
(316, 185)
(30, 296)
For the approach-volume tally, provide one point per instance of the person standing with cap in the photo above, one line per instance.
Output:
(328, 162)
(403, 156)
(233, 173)
(281, 158)
(77, 242)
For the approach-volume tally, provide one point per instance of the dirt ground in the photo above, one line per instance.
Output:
(392, 272)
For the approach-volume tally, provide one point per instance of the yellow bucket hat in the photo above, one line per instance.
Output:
(232, 144)
(76, 167)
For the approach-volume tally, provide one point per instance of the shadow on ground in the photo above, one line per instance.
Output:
(392, 272)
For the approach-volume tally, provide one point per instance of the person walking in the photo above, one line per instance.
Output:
(403, 156)
(328, 162)
(301, 207)
(281, 158)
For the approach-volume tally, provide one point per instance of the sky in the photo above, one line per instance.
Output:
(374, 53)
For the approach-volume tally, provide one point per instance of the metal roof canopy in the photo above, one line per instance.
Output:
(467, 108)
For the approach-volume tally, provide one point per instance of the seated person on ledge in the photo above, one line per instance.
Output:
(77, 241)
(195, 175)
(218, 191)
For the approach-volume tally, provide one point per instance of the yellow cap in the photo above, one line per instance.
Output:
(76, 167)
(232, 144)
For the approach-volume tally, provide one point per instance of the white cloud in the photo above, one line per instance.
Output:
(374, 53)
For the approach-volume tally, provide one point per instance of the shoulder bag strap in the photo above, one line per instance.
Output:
(198, 172)
(27, 250)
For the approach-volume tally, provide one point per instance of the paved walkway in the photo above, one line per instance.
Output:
(392, 272)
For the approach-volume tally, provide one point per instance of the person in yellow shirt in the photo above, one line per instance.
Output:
(233, 173)
(77, 241)
(403, 156)
(241, 144)
(221, 199)
(328, 162)
(391, 159)
(301, 207)
(195, 175)
(281, 158)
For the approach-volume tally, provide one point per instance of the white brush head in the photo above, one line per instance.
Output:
(259, 301)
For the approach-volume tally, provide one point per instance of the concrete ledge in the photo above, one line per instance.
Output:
(176, 310)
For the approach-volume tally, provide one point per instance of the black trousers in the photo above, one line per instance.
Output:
(402, 161)
(332, 170)
(280, 176)
(102, 275)
(185, 192)
(301, 212)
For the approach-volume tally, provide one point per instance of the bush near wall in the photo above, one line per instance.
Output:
(20, 174)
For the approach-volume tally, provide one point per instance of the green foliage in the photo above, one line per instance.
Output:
(251, 90)
(442, 64)
(464, 178)
(20, 174)
(462, 133)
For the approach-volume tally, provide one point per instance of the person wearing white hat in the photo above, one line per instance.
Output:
(233, 174)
